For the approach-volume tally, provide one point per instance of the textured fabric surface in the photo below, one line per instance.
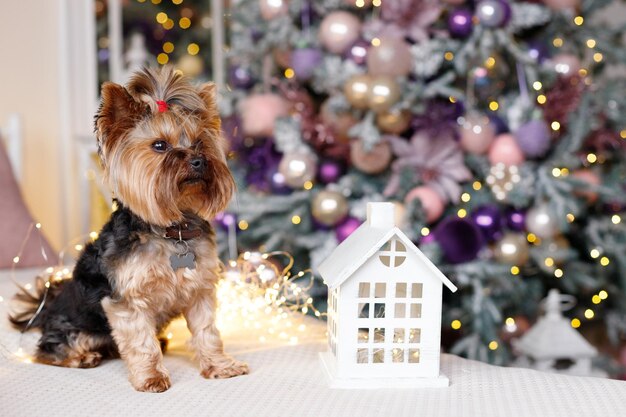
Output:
(15, 221)
(286, 381)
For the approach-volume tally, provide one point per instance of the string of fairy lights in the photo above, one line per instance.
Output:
(258, 294)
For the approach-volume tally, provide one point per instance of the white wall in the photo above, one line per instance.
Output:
(29, 80)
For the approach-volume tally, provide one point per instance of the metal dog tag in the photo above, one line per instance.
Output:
(186, 260)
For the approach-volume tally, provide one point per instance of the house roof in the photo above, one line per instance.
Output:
(553, 336)
(361, 245)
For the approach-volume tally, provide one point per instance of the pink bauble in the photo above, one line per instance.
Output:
(339, 30)
(565, 64)
(392, 57)
(505, 150)
(374, 161)
(273, 8)
(432, 203)
(562, 4)
(259, 112)
(477, 133)
(591, 178)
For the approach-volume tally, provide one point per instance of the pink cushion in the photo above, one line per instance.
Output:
(14, 223)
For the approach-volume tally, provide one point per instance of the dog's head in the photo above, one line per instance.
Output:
(160, 142)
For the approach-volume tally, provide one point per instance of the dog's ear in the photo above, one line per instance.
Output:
(208, 94)
(118, 112)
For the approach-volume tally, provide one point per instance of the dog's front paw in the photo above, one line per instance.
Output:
(226, 369)
(158, 382)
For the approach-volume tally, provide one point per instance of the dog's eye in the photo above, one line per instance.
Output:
(160, 146)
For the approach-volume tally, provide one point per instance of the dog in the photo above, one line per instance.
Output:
(155, 259)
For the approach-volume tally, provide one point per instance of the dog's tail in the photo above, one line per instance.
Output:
(27, 307)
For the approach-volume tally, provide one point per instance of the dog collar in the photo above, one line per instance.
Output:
(181, 231)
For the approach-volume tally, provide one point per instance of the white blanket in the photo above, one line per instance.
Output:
(284, 381)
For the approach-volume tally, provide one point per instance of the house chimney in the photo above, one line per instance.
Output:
(381, 215)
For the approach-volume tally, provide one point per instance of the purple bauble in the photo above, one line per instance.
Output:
(460, 239)
(493, 13)
(329, 171)
(240, 76)
(277, 182)
(538, 51)
(499, 124)
(303, 61)
(346, 227)
(533, 138)
(489, 220)
(516, 219)
(225, 220)
(460, 23)
(358, 52)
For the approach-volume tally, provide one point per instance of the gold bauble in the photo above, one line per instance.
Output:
(373, 161)
(394, 121)
(339, 122)
(383, 93)
(329, 207)
(512, 249)
(357, 91)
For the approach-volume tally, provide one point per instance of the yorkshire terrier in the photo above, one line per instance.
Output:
(160, 145)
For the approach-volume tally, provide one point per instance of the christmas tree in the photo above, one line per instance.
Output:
(496, 126)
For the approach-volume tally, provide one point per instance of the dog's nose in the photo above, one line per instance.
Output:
(198, 163)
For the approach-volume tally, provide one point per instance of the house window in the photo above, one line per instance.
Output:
(401, 290)
(416, 311)
(415, 335)
(416, 290)
(393, 253)
(414, 356)
(362, 355)
(398, 335)
(363, 335)
(400, 310)
(364, 289)
(379, 355)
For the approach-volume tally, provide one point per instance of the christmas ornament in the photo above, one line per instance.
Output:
(489, 220)
(303, 61)
(240, 76)
(383, 93)
(541, 222)
(190, 65)
(591, 179)
(439, 119)
(338, 121)
(226, 220)
(394, 121)
(430, 200)
(329, 171)
(515, 219)
(391, 57)
(406, 19)
(357, 53)
(533, 138)
(329, 207)
(338, 31)
(553, 345)
(564, 97)
(493, 13)
(460, 23)
(502, 179)
(277, 182)
(346, 227)
(436, 163)
(505, 150)
(562, 4)
(357, 90)
(565, 64)
(477, 133)
(538, 51)
(373, 161)
(271, 9)
(259, 112)
(297, 168)
(512, 249)
(460, 240)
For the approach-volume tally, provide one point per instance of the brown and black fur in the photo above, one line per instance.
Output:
(165, 169)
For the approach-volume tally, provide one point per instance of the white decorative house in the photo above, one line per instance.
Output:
(384, 309)
(552, 344)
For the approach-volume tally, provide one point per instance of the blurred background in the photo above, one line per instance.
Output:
(496, 126)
